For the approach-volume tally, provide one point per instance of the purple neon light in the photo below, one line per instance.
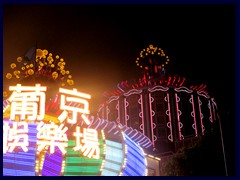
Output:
(52, 164)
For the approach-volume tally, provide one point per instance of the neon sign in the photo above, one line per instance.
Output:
(28, 103)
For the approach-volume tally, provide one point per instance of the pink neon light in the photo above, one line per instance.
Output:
(169, 116)
(194, 116)
(142, 114)
(125, 107)
(200, 112)
(179, 128)
(209, 106)
(118, 111)
(151, 118)
(107, 112)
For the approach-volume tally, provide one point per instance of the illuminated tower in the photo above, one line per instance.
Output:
(166, 108)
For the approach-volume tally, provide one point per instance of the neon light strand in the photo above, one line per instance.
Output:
(193, 114)
(169, 117)
(201, 115)
(179, 122)
(158, 88)
(125, 111)
(210, 109)
(151, 118)
(141, 99)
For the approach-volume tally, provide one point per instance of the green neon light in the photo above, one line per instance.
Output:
(79, 165)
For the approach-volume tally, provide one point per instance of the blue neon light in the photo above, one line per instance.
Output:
(22, 163)
(135, 165)
(113, 158)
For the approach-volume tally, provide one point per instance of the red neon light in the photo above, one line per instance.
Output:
(182, 81)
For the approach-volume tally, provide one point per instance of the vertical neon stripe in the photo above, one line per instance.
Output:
(209, 106)
(200, 112)
(169, 116)
(194, 116)
(179, 128)
(125, 111)
(142, 114)
(118, 111)
(151, 118)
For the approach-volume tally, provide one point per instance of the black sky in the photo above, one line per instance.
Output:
(101, 42)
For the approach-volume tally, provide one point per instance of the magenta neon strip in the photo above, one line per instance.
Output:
(125, 112)
(179, 128)
(107, 112)
(169, 116)
(194, 116)
(151, 118)
(118, 111)
(200, 112)
(142, 114)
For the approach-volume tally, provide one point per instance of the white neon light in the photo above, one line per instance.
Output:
(113, 98)
(15, 137)
(132, 91)
(203, 93)
(52, 135)
(87, 142)
(201, 115)
(158, 88)
(26, 100)
(74, 110)
(183, 89)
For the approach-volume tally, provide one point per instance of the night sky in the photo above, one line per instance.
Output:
(100, 44)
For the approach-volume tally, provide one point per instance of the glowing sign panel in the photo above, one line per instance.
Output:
(51, 135)
(74, 110)
(15, 136)
(87, 142)
(24, 102)
(28, 102)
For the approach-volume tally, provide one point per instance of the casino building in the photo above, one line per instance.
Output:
(139, 123)
(43, 137)
(167, 109)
